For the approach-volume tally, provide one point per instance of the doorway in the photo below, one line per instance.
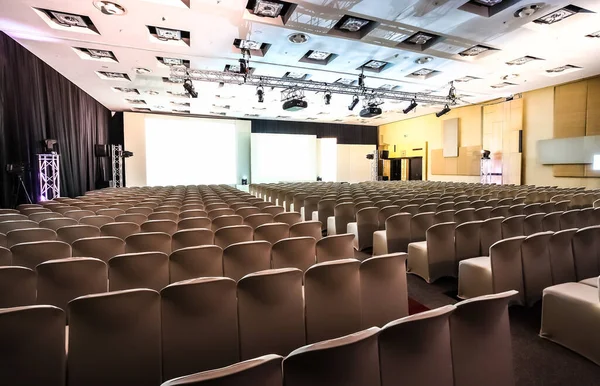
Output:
(416, 169)
(396, 169)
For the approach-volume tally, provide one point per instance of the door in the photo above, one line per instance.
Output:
(416, 169)
(396, 169)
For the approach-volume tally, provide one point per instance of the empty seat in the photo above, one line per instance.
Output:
(585, 252)
(138, 270)
(219, 212)
(296, 252)
(184, 214)
(396, 237)
(110, 212)
(103, 248)
(191, 238)
(272, 232)
(171, 216)
(343, 214)
(193, 262)
(17, 287)
(512, 226)
(115, 339)
(551, 222)
(137, 218)
(33, 346)
(71, 233)
(419, 224)
(490, 232)
(246, 211)
(140, 210)
(148, 242)
(348, 360)
(411, 208)
(256, 220)
(332, 299)
(243, 258)
(289, 218)
(483, 213)
(164, 226)
(464, 215)
(537, 269)
(62, 280)
(443, 216)
(366, 223)
(434, 258)
(516, 210)
(37, 217)
(29, 235)
(194, 223)
(273, 210)
(78, 214)
(307, 229)
(96, 221)
(121, 230)
(417, 350)
(56, 223)
(335, 247)
(500, 211)
(12, 225)
(225, 221)
(31, 254)
(199, 326)
(270, 312)
(569, 219)
(467, 240)
(562, 261)
(384, 293)
(5, 255)
(533, 224)
(325, 209)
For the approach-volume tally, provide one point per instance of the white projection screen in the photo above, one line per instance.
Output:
(283, 158)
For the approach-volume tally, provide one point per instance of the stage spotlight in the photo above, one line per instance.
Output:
(327, 97)
(445, 110)
(260, 91)
(50, 146)
(355, 101)
(411, 107)
(189, 88)
(127, 154)
(361, 80)
(485, 154)
(243, 66)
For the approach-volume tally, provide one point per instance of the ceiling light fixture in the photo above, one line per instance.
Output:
(319, 55)
(422, 72)
(527, 11)
(444, 111)
(298, 38)
(424, 59)
(142, 71)
(167, 34)
(375, 64)
(510, 76)
(594, 35)
(411, 107)
(260, 92)
(420, 38)
(152, 92)
(502, 85)
(100, 54)
(354, 24)
(465, 79)
(354, 102)
(266, 8)
(110, 8)
(562, 68)
(556, 16)
(489, 3)
(327, 97)
(361, 80)
(474, 51)
(249, 45)
(522, 60)
(189, 88)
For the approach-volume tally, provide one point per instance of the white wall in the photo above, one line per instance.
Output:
(352, 163)
(283, 158)
(327, 159)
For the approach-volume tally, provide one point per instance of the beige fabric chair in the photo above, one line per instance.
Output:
(332, 299)
(37, 217)
(443, 216)
(171, 216)
(311, 205)
(256, 220)
(241, 259)
(5, 256)
(192, 213)
(483, 320)
(13, 225)
(33, 346)
(31, 254)
(586, 243)
(307, 229)
(110, 212)
(512, 226)
(193, 262)
(547, 207)
(120, 334)
(335, 247)
(411, 208)
(17, 287)
(537, 269)
(483, 213)
(289, 218)
(71, 233)
(570, 317)
(562, 261)
(490, 233)
(384, 292)
(467, 240)
(272, 232)
(516, 210)
(56, 223)
(296, 252)
(416, 350)
(273, 210)
(194, 223)
(220, 212)
(367, 222)
(347, 360)
(137, 218)
(247, 211)
(138, 270)
(60, 281)
(435, 257)
(325, 209)
(139, 210)
(191, 238)
(263, 371)
(164, 226)
(121, 230)
(226, 221)
(419, 224)
(270, 312)
(79, 214)
(103, 248)
(96, 220)
(199, 326)
(460, 205)
(534, 208)
(30, 211)
(226, 236)
(464, 215)
(500, 211)
(343, 214)
(396, 236)
(148, 242)
(533, 224)
(4, 211)
(385, 213)
(28, 235)
(551, 222)
(12, 217)
(569, 219)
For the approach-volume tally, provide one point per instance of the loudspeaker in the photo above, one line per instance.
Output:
(101, 150)
(385, 154)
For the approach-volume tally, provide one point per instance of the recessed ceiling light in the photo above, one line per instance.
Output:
(465, 79)
(424, 59)
(113, 75)
(561, 14)
(151, 92)
(266, 8)
(420, 38)
(110, 8)
(522, 60)
(142, 71)
(233, 68)
(562, 68)
(97, 54)
(183, 104)
(167, 34)
(298, 38)
(345, 81)
(178, 94)
(510, 76)
(319, 55)
(68, 19)
(126, 90)
(295, 75)
(388, 87)
(181, 111)
(594, 35)
(527, 10)
(136, 101)
(422, 72)
(488, 3)
(375, 64)
(474, 51)
(250, 44)
(354, 24)
(502, 85)
(171, 61)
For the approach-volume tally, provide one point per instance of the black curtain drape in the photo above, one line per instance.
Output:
(36, 103)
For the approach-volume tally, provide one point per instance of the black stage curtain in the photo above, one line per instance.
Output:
(345, 134)
(36, 103)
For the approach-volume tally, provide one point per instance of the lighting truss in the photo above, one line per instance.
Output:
(181, 73)
(292, 93)
(49, 169)
(116, 152)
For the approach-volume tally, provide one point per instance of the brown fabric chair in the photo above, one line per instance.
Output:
(71, 233)
(139, 210)
(138, 270)
(533, 224)
(13, 225)
(311, 205)
(137, 218)
(385, 213)
(307, 229)
(37, 217)
(569, 219)
(366, 224)
(417, 350)
(191, 238)
(464, 215)
(419, 224)
(164, 226)
(9, 211)
(397, 228)
(490, 232)
(270, 312)
(12, 217)
(534, 208)
(336, 247)
(226, 221)
(537, 269)
(96, 220)
(296, 252)
(413, 209)
(256, 220)
(28, 235)
(273, 210)
(443, 216)
(467, 240)
(289, 218)
(192, 214)
(478, 204)
(516, 210)
(384, 292)
(332, 299)
(17, 287)
(499, 211)
(586, 243)
(241, 259)
(220, 212)
(31, 254)
(5, 256)
(263, 371)
(193, 262)
(512, 226)
(148, 242)
(349, 360)
(120, 334)
(103, 248)
(551, 222)
(226, 236)
(33, 346)
(272, 232)
(194, 223)
(562, 261)
(60, 281)
(483, 320)
(344, 214)
(325, 209)
(483, 213)
(79, 214)
(110, 212)
(56, 223)
(199, 326)
(121, 230)
(247, 211)
(171, 216)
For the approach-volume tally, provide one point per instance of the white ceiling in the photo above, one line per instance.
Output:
(214, 24)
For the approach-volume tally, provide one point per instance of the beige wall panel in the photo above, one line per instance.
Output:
(593, 107)
(570, 108)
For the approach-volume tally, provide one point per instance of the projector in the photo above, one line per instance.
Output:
(295, 105)
(370, 112)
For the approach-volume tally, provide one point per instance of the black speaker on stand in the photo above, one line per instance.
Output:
(385, 154)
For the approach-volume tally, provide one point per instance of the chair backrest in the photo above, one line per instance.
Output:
(192, 213)
(33, 346)
(103, 247)
(467, 243)
(326, 209)
(219, 212)
(537, 270)
(138, 270)
(507, 268)
(386, 212)
(194, 223)
(12, 225)
(172, 216)
(332, 299)
(247, 211)
(586, 243)
(56, 223)
(121, 230)
(344, 214)
(483, 320)
(272, 232)
(264, 371)
(397, 230)
(533, 224)
(191, 238)
(71, 233)
(417, 349)
(193, 262)
(349, 360)
(335, 247)
(140, 210)
(419, 224)
(562, 262)
(60, 281)
(569, 219)
(441, 250)
(307, 229)
(490, 232)
(137, 218)
(110, 212)
(79, 214)
(37, 217)
(464, 215)
(500, 211)
(148, 242)
(5, 254)
(199, 326)
(243, 258)
(296, 252)
(271, 312)
(120, 333)
(27, 235)
(483, 213)
(443, 216)
(384, 293)
(551, 222)
(534, 208)
(165, 226)
(97, 220)
(512, 226)
(273, 210)
(413, 209)
(226, 221)
(516, 210)
(256, 220)
(289, 218)
(17, 287)
(31, 254)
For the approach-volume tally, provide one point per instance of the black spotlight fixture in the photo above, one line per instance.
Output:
(411, 107)
(445, 110)
(189, 88)
(361, 80)
(260, 92)
(243, 66)
(485, 154)
(355, 101)
(327, 97)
